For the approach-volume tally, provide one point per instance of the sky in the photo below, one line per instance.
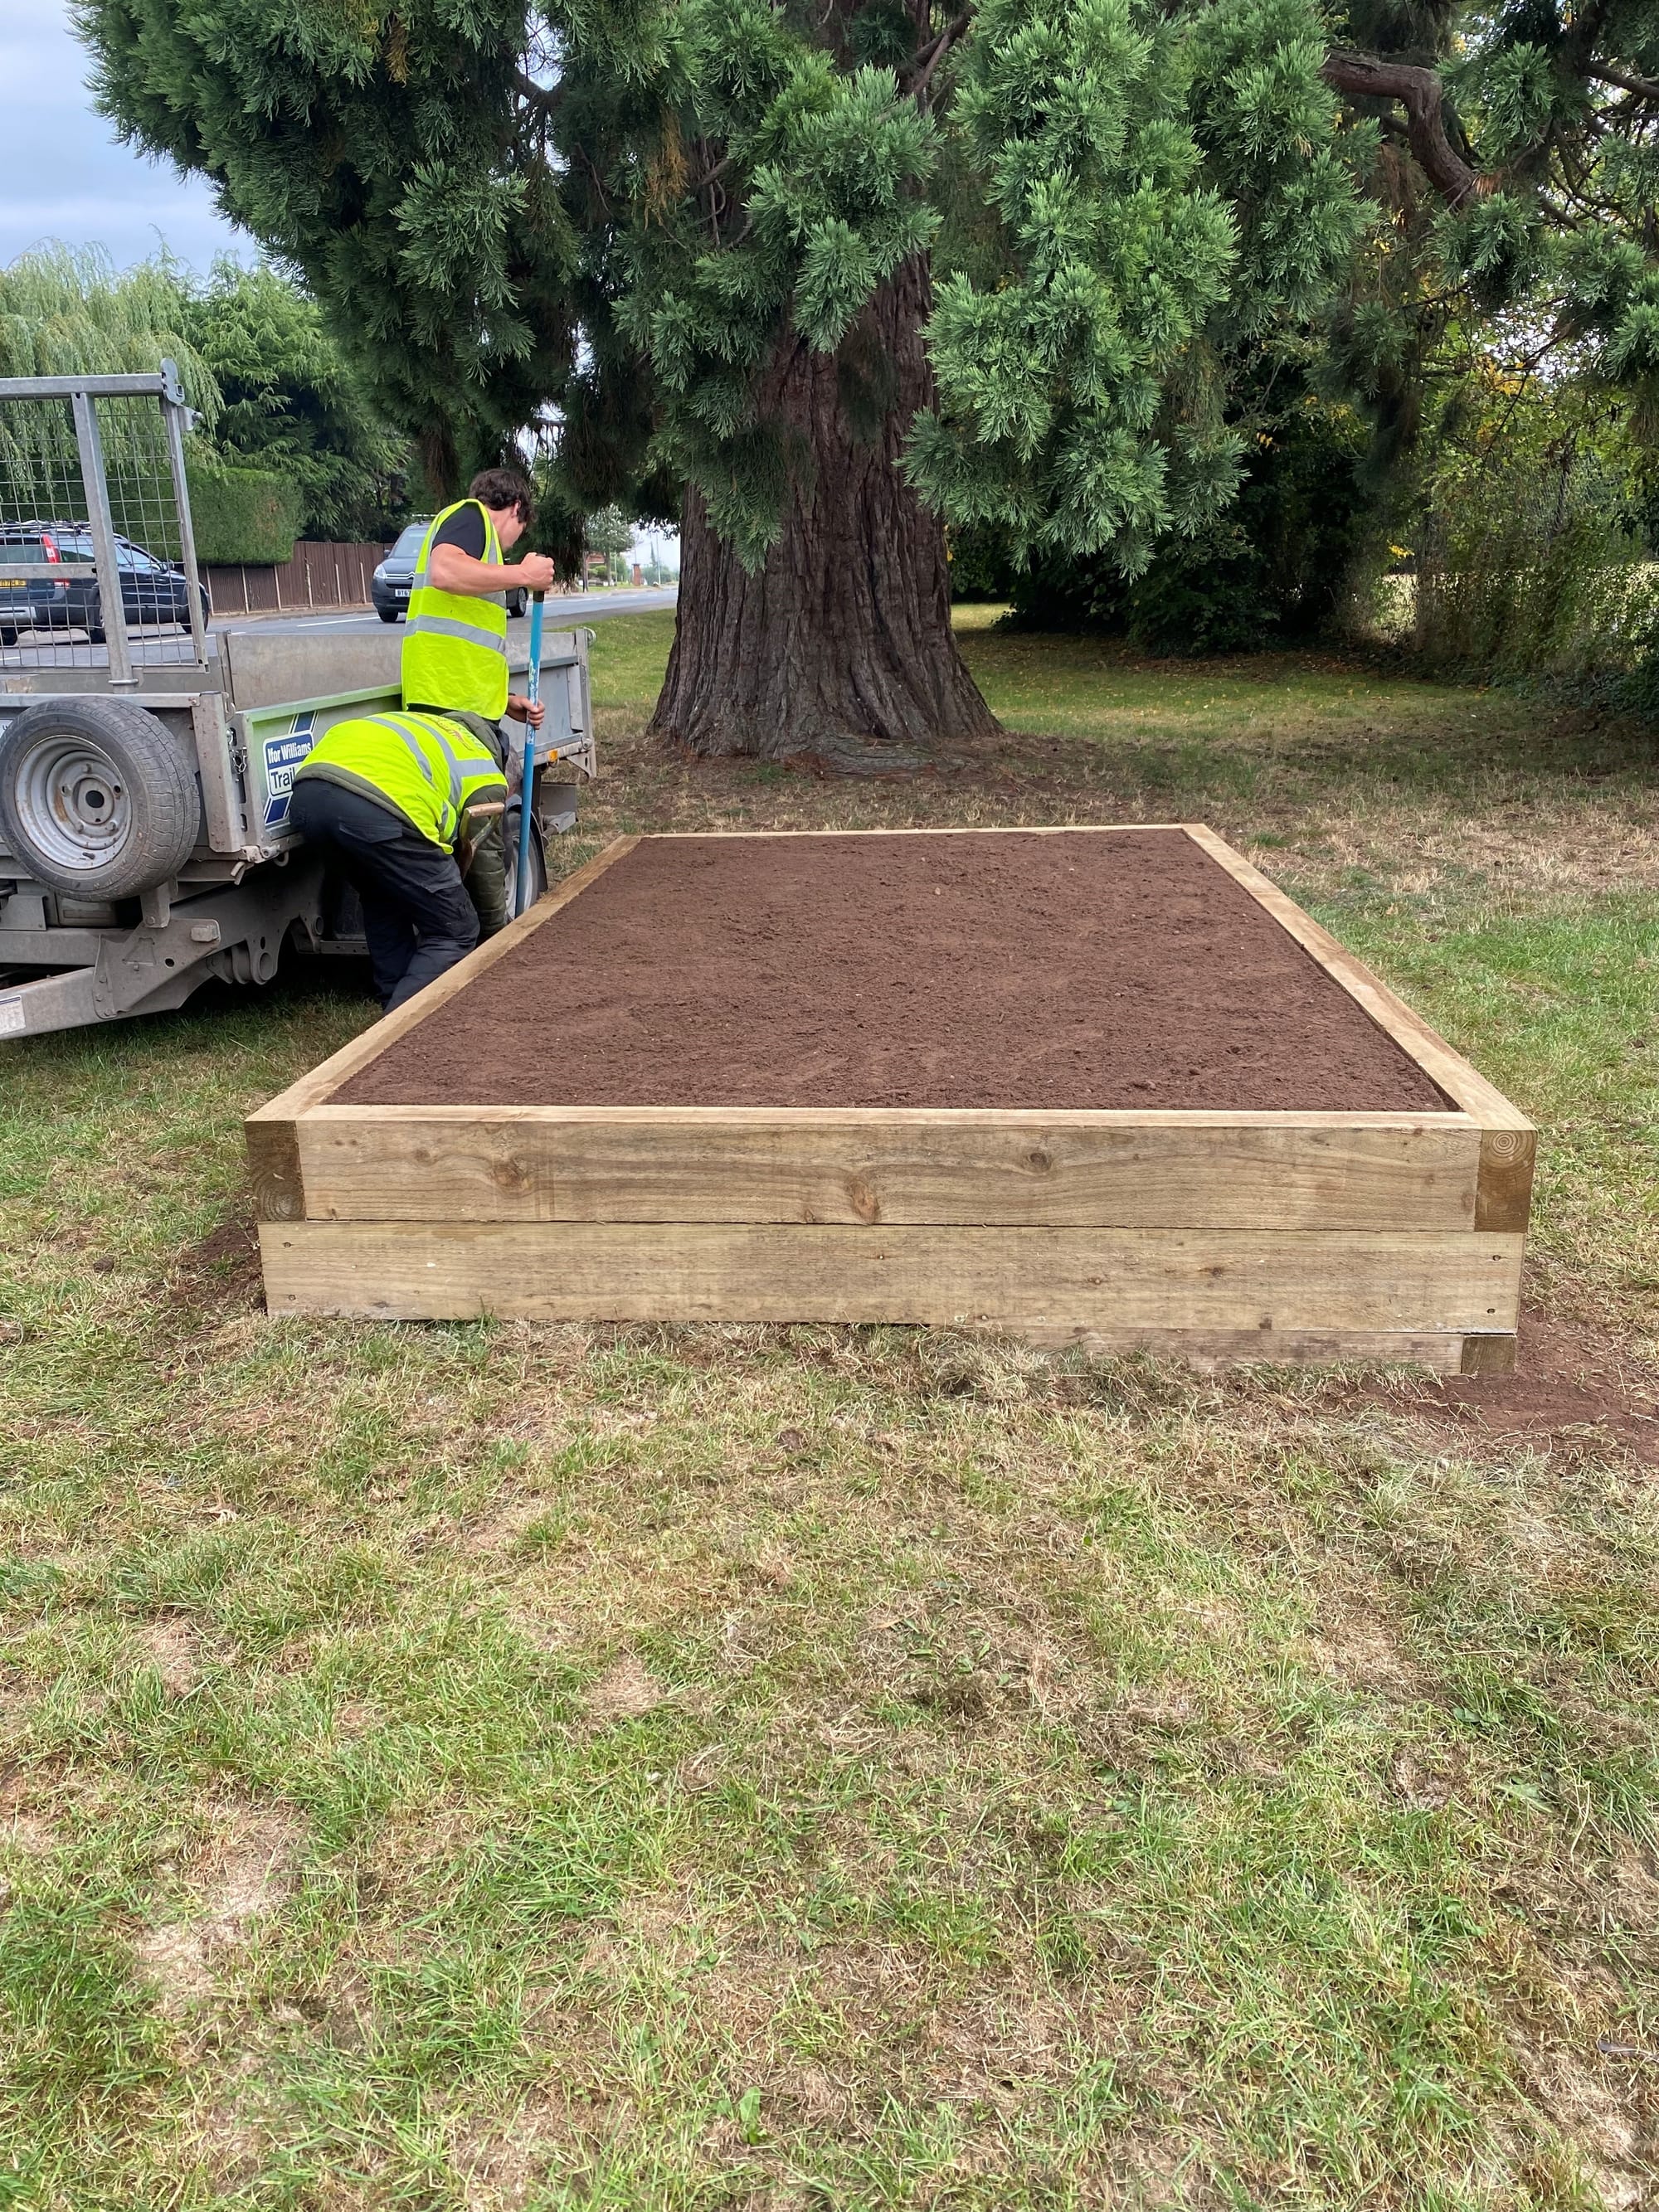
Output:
(63, 174)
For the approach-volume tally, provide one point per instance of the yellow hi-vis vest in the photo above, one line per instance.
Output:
(455, 646)
(423, 766)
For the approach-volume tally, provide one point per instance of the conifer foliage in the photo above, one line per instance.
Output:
(657, 221)
(473, 191)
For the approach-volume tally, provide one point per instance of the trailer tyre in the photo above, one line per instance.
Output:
(97, 797)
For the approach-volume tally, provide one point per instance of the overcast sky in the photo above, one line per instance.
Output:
(62, 173)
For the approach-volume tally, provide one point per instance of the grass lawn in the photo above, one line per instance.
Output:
(498, 1767)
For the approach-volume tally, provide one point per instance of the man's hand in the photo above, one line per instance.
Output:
(520, 709)
(452, 570)
(535, 572)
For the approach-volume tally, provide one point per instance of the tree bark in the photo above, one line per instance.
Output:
(1362, 77)
(838, 653)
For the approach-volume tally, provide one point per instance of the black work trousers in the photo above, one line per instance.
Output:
(417, 915)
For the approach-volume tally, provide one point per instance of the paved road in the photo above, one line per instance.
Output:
(172, 647)
(563, 610)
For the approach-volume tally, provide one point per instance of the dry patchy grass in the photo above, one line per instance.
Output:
(497, 1766)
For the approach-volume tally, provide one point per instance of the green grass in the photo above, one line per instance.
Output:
(546, 1767)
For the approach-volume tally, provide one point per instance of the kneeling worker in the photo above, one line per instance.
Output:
(455, 654)
(396, 800)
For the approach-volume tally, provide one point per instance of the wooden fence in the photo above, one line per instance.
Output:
(320, 574)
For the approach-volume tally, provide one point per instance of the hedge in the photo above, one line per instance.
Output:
(243, 515)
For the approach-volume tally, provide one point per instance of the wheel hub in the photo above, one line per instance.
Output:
(73, 801)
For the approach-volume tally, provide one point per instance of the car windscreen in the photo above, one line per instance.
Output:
(408, 543)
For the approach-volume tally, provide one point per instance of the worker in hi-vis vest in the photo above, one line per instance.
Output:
(454, 659)
(396, 800)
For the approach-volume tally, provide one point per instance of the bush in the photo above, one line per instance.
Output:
(1531, 567)
(243, 515)
(980, 568)
(1271, 570)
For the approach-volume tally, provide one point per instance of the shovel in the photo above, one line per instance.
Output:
(526, 790)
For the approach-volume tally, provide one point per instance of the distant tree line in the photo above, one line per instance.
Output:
(273, 395)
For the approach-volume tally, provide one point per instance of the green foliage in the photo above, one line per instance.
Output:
(249, 515)
(640, 219)
(270, 386)
(1533, 557)
(72, 313)
(64, 313)
(981, 567)
(1165, 185)
(609, 533)
(1270, 570)
(827, 167)
(291, 404)
(389, 156)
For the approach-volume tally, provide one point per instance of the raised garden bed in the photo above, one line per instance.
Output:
(1102, 1085)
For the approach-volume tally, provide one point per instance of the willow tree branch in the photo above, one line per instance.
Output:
(1361, 76)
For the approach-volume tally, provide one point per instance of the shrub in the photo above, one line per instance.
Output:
(1269, 571)
(980, 568)
(1532, 567)
(242, 515)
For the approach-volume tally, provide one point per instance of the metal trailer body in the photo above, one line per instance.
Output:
(225, 719)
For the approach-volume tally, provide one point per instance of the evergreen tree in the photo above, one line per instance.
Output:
(610, 534)
(291, 403)
(822, 279)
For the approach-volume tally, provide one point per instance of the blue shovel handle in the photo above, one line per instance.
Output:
(526, 790)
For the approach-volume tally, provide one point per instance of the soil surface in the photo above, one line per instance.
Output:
(1574, 1389)
(1104, 969)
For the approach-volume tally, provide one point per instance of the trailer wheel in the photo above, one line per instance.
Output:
(97, 797)
(537, 862)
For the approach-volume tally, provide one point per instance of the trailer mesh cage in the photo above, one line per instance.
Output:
(97, 558)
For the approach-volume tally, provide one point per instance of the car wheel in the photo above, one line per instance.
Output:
(8, 637)
(97, 797)
(516, 603)
(388, 614)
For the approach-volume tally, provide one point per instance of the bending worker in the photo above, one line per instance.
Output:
(396, 800)
(454, 657)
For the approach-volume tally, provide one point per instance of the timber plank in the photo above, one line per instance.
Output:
(1503, 1194)
(1031, 1169)
(1445, 1352)
(275, 1168)
(1013, 1277)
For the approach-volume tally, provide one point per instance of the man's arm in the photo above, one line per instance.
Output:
(452, 570)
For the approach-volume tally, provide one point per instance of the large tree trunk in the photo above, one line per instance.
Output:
(838, 653)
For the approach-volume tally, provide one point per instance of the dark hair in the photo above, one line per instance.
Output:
(500, 487)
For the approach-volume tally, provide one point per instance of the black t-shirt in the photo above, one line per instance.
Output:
(465, 528)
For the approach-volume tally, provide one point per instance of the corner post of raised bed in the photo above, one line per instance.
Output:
(272, 1138)
(1503, 1196)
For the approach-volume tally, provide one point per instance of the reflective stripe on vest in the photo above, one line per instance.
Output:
(455, 646)
(434, 771)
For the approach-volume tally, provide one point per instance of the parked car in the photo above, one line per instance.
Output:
(393, 580)
(154, 593)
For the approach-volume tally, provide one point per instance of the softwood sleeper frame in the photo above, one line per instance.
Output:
(1263, 1234)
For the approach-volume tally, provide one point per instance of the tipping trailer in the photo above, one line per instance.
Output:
(144, 778)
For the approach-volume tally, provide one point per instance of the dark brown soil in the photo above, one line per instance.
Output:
(1574, 1389)
(1104, 969)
